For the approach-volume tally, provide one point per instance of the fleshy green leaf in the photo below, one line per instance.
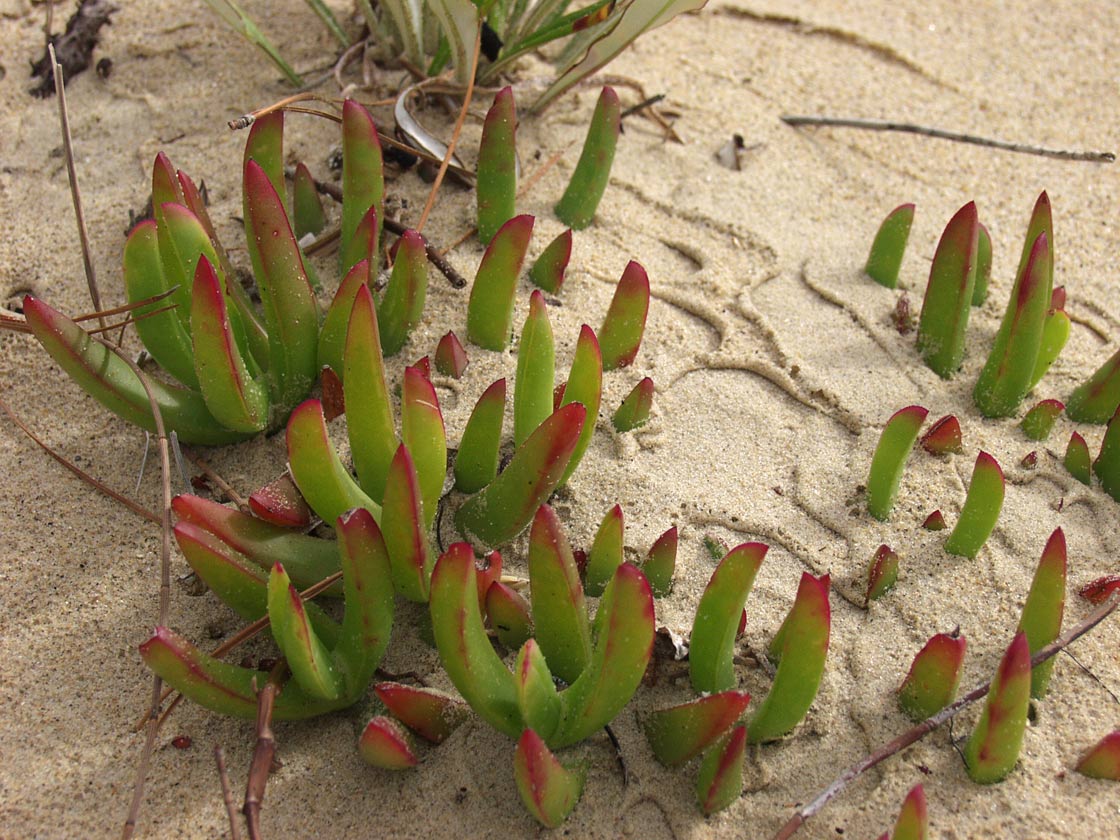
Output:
(307, 208)
(913, 820)
(490, 308)
(451, 358)
(577, 206)
(509, 615)
(464, 648)
(476, 463)
(801, 647)
(403, 303)
(280, 503)
(982, 506)
(369, 412)
(1107, 464)
(559, 610)
(1040, 420)
(720, 780)
(431, 714)
(983, 267)
(889, 460)
(993, 748)
(332, 338)
(634, 411)
(717, 618)
(536, 371)
(945, 307)
(384, 743)
(1102, 761)
(660, 563)
(1055, 334)
(625, 321)
(1096, 399)
(317, 470)
(405, 535)
(1076, 460)
(680, 733)
(584, 386)
(536, 692)
(885, 259)
(943, 437)
(548, 271)
(363, 183)
(548, 790)
(1042, 613)
(504, 507)
(606, 553)
(881, 575)
(497, 166)
(423, 432)
(308, 658)
(932, 681)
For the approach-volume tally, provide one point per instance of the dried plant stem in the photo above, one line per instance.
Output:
(222, 484)
(911, 128)
(139, 510)
(164, 589)
(264, 752)
(227, 794)
(454, 135)
(75, 194)
(918, 732)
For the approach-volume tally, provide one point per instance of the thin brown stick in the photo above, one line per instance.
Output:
(454, 135)
(138, 509)
(918, 732)
(20, 326)
(227, 794)
(128, 307)
(264, 752)
(75, 194)
(164, 588)
(222, 484)
(925, 131)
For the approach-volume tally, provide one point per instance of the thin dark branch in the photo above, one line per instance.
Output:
(75, 194)
(910, 128)
(265, 751)
(227, 794)
(918, 732)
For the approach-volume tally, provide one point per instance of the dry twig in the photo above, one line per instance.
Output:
(227, 794)
(265, 751)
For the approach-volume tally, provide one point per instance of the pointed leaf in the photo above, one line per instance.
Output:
(885, 259)
(1009, 371)
(497, 166)
(1076, 460)
(623, 644)
(431, 714)
(536, 692)
(913, 820)
(307, 208)
(405, 535)
(369, 411)
(720, 781)
(280, 503)
(464, 649)
(625, 321)
(316, 468)
(363, 183)
(935, 521)
(236, 400)
(1101, 589)
(993, 748)
(577, 206)
(110, 381)
(332, 338)
(1107, 465)
(548, 271)
(606, 553)
(943, 437)
(451, 357)
(476, 463)
(290, 311)
(307, 560)
(934, 675)
(559, 610)
(680, 733)
(981, 509)
(983, 267)
(384, 743)
(164, 335)
(634, 411)
(1102, 761)
(882, 574)
(509, 615)
(1096, 399)
(801, 646)
(717, 618)
(1046, 602)
(1039, 420)
(403, 303)
(584, 386)
(660, 563)
(536, 371)
(490, 308)
(310, 661)
(500, 511)
(423, 432)
(945, 307)
(1055, 334)
(548, 791)
(265, 147)
(889, 460)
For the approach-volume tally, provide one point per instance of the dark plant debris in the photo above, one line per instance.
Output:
(74, 47)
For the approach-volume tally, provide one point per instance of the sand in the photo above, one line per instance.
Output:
(775, 362)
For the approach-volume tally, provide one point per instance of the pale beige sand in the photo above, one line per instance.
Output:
(775, 364)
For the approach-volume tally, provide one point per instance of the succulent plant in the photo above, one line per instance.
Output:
(993, 747)
(577, 206)
(1039, 421)
(1107, 463)
(633, 413)
(943, 437)
(982, 506)
(1102, 760)
(496, 186)
(1096, 399)
(548, 270)
(934, 675)
(1076, 459)
(895, 442)
(948, 297)
(1042, 613)
(913, 818)
(882, 574)
(889, 245)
